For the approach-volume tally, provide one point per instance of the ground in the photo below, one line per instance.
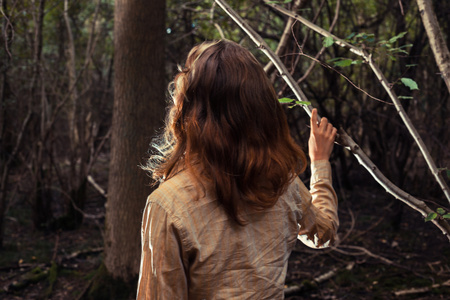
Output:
(385, 249)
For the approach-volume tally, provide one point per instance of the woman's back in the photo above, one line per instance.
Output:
(221, 259)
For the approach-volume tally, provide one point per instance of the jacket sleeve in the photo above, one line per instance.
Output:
(162, 273)
(320, 220)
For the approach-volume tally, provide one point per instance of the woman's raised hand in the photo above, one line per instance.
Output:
(322, 137)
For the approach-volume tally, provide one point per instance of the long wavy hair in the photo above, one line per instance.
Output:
(228, 129)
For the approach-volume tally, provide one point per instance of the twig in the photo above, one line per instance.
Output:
(85, 289)
(420, 290)
(314, 59)
(319, 279)
(82, 252)
(352, 226)
(96, 186)
(364, 251)
(7, 25)
(55, 249)
(96, 151)
(333, 23)
(284, 37)
(401, 7)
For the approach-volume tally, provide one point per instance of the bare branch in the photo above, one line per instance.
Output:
(437, 42)
(343, 138)
(412, 291)
(284, 37)
(384, 82)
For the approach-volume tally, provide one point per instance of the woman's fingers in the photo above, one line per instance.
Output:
(322, 138)
(314, 124)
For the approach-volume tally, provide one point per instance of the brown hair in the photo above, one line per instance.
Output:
(228, 129)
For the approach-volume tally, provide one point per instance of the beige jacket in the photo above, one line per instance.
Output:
(192, 250)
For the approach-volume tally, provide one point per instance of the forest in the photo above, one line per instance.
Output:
(83, 90)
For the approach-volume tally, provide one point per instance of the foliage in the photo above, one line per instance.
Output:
(440, 212)
(295, 102)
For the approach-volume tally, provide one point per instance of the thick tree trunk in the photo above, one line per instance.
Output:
(437, 42)
(139, 91)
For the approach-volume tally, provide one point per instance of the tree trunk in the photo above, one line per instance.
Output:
(6, 42)
(139, 91)
(437, 42)
(42, 212)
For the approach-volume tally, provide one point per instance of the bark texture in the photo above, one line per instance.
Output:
(139, 89)
(437, 42)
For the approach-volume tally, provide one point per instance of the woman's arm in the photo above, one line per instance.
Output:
(162, 274)
(320, 219)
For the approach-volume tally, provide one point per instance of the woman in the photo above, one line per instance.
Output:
(227, 213)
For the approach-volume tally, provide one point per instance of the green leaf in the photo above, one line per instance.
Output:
(357, 62)
(411, 65)
(409, 83)
(303, 102)
(334, 59)
(343, 63)
(361, 35)
(398, 50)
(328, 41)
(405, 97)
(279, 2)
(350, 36)
(431, 216)
(448, 174)
(446, 216)
(398, 36)
(285, 100)
(440, 211)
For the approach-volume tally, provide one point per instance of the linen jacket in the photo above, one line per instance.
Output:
(191, 249)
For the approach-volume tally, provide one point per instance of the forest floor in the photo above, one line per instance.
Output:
(386, 251)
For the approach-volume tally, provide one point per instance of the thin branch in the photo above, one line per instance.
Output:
(319, 279)
(364, 251)
(7, 27)
(425, 289)
(333, 23)
(314, 59)
(284, 37)
(96, 186)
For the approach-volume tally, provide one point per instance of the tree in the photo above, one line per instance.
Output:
(437, 42)
(139, 91)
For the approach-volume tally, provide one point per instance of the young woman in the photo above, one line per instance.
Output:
(230, 206)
